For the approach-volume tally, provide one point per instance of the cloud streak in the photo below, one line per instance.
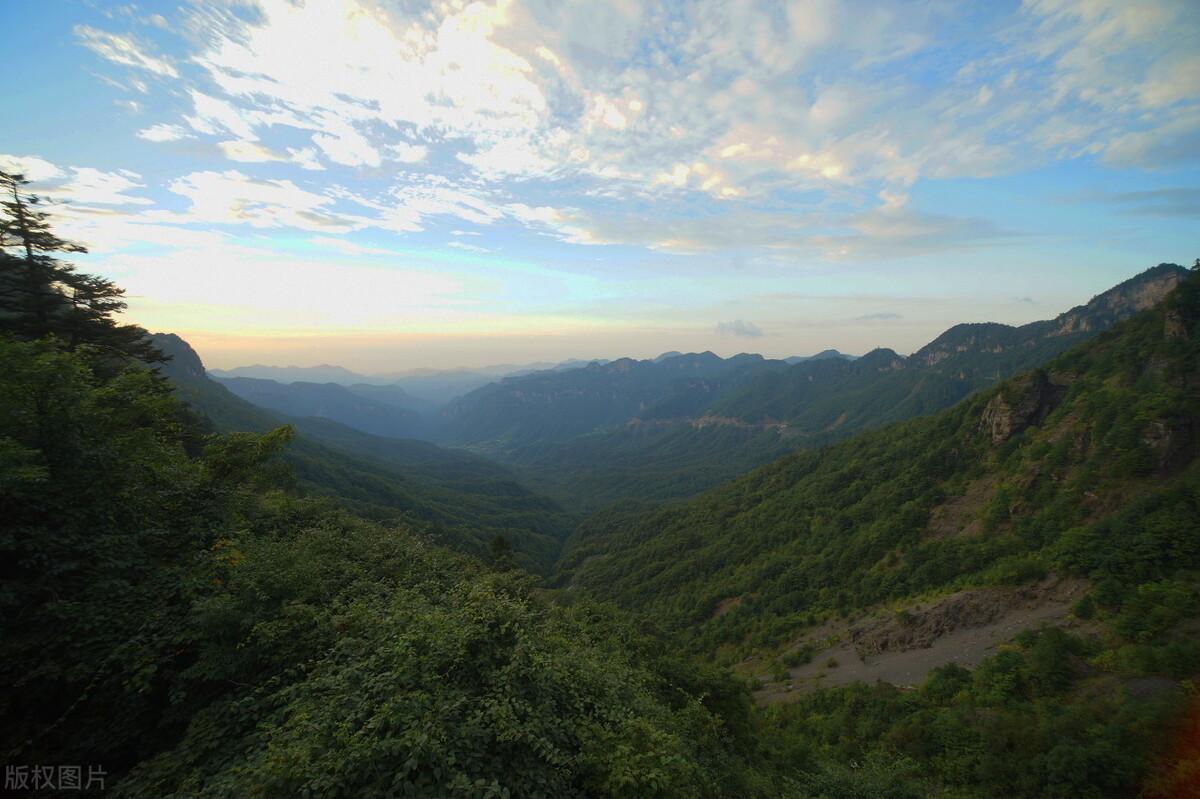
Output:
(739, 329)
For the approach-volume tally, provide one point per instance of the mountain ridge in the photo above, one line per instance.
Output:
(708, 429)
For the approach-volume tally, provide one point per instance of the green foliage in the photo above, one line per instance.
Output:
(189, 610)
(851, 525)
(460, 499)
(1026, 723)
(188, 621)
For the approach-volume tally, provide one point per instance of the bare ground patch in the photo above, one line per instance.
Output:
(726, 605)
(902, 648)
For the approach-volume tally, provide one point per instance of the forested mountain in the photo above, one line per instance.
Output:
(1059, 468)
(831, 398)
(207, 603)
(696, 433)
(461, 499)
(177, 616)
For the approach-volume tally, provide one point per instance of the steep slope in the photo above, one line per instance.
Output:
(1088, 466)
(460, 498)
(350, 406)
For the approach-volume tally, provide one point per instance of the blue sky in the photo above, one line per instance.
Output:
(402, 184)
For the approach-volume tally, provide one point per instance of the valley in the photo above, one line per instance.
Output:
(942, 574)
(649, 399)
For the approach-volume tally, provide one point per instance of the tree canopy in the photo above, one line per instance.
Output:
(42, 295)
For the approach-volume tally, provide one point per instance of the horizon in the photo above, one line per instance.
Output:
(512, 182)
(607, 358)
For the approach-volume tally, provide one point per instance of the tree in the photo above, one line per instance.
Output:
(41, 295)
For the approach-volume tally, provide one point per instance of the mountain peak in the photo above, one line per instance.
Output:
(1138, 293)
(185, 362)
(882, 358)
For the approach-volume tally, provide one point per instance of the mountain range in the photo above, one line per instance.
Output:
(658, 431)
(983, 568)
(594, 433)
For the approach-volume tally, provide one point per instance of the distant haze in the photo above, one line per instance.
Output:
(381, 354)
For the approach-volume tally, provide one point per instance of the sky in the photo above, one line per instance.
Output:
(394, 185)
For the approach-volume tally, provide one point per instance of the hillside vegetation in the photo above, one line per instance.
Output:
(1089, 466)
(208, 603)
(176, 612)
(173, 611)
(459, 499)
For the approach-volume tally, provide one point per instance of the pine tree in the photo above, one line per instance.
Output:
(41, 295)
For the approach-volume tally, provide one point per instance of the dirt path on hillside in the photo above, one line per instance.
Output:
(903, 648)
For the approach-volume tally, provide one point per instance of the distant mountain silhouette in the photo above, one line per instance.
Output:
(384, 414)
(325, 373)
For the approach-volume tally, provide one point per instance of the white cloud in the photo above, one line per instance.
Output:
(776, 108)
(33, 168)
(460, 245)
(95, 187)
(123, 50)
(80, 186)
(214, 116)
(162, 132)
(247, 151)
(233, 198)
(345, 145)
(306, 158)
(893, 230)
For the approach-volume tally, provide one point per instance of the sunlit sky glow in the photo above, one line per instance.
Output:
(389, 185)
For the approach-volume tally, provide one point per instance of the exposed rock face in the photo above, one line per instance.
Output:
(923, 626)
(1023, 403)
(1138, 294)
(987, 337)
(1172, 441)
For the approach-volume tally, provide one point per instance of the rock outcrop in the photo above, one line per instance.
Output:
(1019, 405)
